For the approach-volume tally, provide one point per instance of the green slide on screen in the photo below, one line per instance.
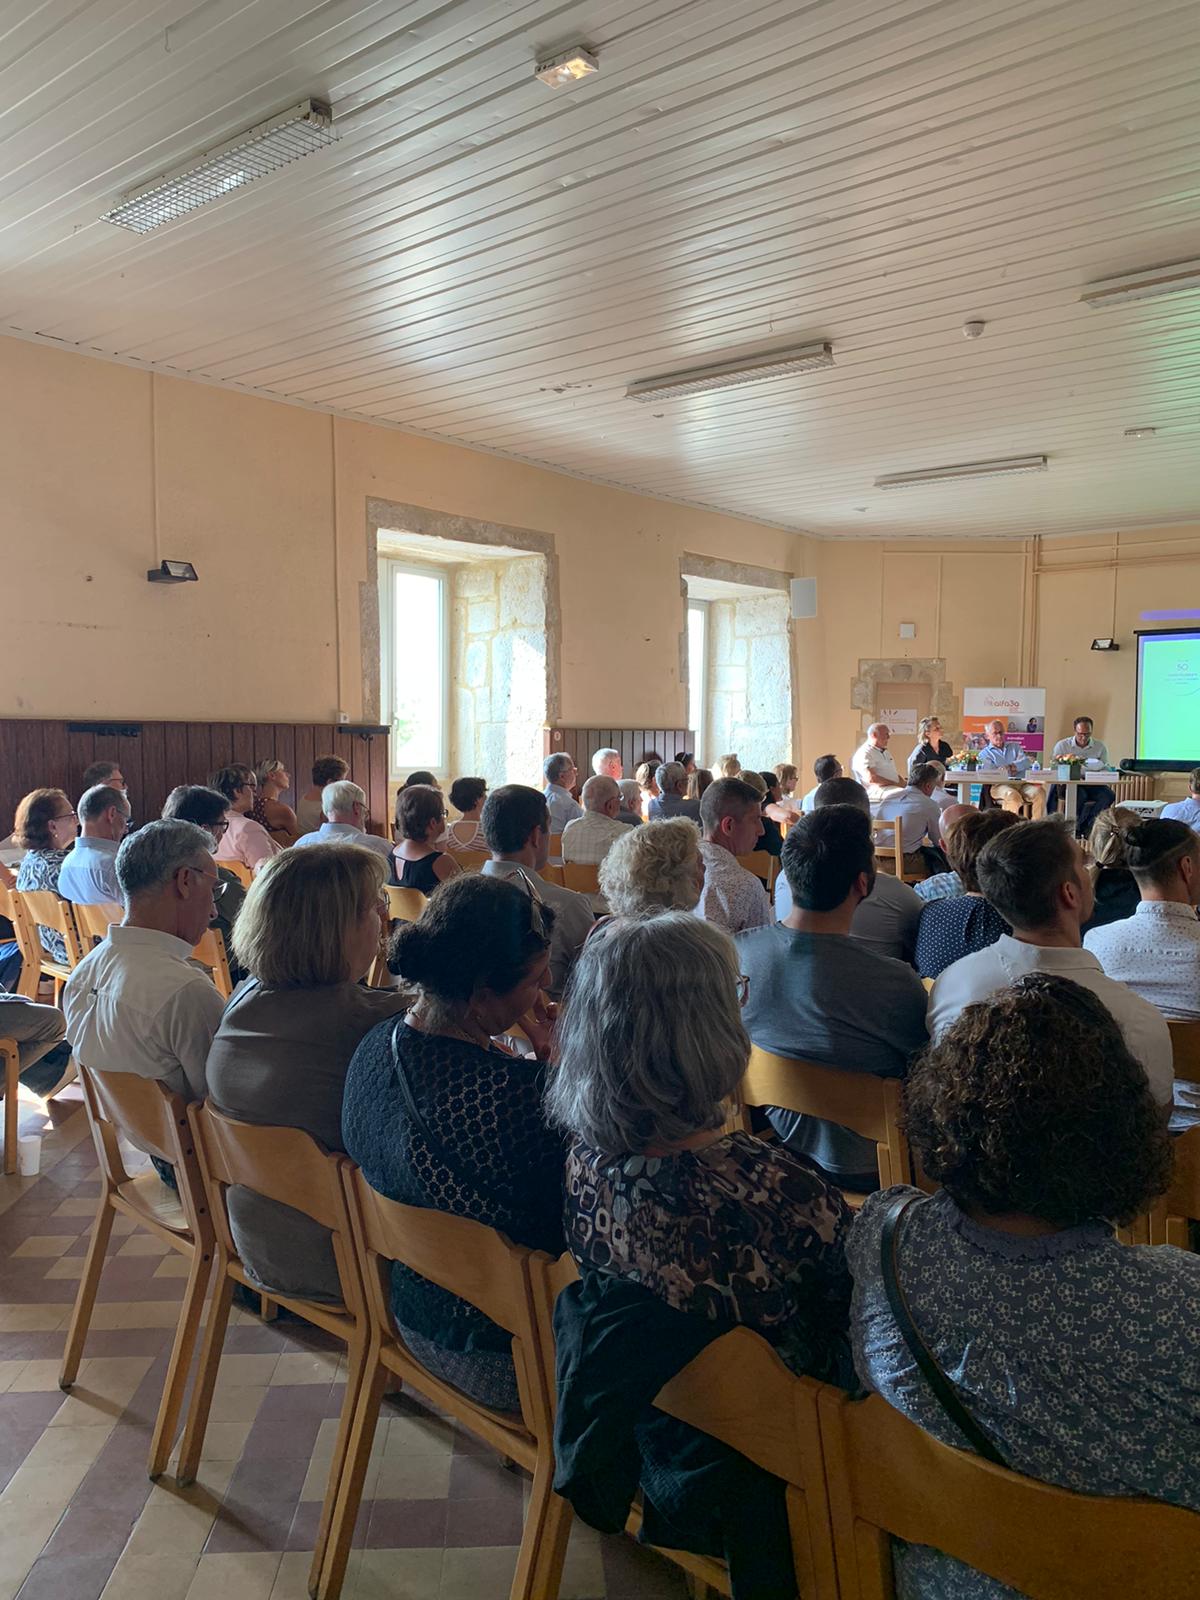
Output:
(1169, 697)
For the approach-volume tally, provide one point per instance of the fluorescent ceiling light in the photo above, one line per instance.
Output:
(1147, 284)
(261, 149)
(968, 469)
(733, 374)
(568, 68)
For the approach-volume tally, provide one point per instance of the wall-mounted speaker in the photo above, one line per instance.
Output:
(804, 597)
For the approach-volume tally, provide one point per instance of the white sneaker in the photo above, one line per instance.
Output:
(69, 1076)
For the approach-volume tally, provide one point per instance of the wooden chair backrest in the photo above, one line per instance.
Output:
(45, 909)
(581, 876)
(887, 1478)
(240, 870)
(30, 946)
(94, 922)
(152, 1117)
(763, 865)
(1185, 1049)
(867, 1105)
(888, 841)
(471, 860)
(1171, 1215)
(739, 1391)
(404, 905)
(552, 872)
(210, 952)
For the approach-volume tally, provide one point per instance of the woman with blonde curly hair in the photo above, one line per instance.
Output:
(654, 868)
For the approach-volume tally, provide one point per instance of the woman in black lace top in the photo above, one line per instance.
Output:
(437, 1114)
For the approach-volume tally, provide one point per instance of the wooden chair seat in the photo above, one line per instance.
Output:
(552, 872)
(471, 860)
(243, 873)
(1185, 1049)
(151, 1200)
(93, 922)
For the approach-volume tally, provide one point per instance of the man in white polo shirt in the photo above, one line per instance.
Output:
(344, 806)
(873, 765)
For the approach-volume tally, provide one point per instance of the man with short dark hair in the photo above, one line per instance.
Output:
(89, 874)
(731, 825)
(516, 825)
(1034, 875)
(819, 994)
(1084, 746)
(824, 768)
(103, 772)
(561, 776)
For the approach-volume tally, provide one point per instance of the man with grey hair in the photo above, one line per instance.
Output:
(670, 800)
(89, 874)
(873, 765)
(135, 1003)
(561, 775)
(588, 839)
(607, 763)
(344, 806)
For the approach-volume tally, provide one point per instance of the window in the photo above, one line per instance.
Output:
(414, 639)
(697, 634)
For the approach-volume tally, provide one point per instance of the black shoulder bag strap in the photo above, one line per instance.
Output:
(943, 1389)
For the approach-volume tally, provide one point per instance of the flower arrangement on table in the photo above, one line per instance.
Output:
(966, 758)
(1074, 765)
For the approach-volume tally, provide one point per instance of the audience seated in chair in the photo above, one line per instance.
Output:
(954, 926)
(1035, 877)
(244, 840)
(654, 869)
(919, 818)
(136, 1003)
(820, 995)
(1187, 810)
(686, 759)
(1073, 1353)
(438, 1115)
(607, 763)
(309, 809)
(698, 781)
(731, 824)
(671, 799)
(309, 932)
(420, 821)
(650, 1049)
(945, 885)
(1113, 885)
(88, 876)
(630, 814)
(516, 825)
(786, 778)
(44, 829)
(466, 796)
(1156, 952)
(561, 776)
(274, 779)
(824, 768)
(44, 1056)
(207, 808)
(771, 838)
(106, 772)
(344, 806)
(873, 764)
(590, 837)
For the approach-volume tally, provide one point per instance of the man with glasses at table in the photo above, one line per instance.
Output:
(1082, 746)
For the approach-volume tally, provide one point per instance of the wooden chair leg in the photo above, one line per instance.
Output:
(85, 1299)
(196, 1423)
(190, 1312)
(267, 1309)
(356, 1370)
(544, 1539)
(12, 1084)
(328, 1582)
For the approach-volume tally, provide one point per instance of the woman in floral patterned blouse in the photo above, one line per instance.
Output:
(45, 829)
(718, 1224)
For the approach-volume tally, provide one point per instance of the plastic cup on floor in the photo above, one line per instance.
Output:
(29, 1155)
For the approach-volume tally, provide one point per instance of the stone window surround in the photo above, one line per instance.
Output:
(943, 701)
(392, 515)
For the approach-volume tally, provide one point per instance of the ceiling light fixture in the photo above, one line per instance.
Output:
(968, 469)
(1146, 284)
(733, 374)
(1140, 433)
(559, 72)
(261, 149)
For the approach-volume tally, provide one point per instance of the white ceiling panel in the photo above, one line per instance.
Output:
(493, 262)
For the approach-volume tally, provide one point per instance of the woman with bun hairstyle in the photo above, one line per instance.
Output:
(1112, 882)
(438, 1114)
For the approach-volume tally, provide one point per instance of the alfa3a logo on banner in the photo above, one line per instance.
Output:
(1023, 712)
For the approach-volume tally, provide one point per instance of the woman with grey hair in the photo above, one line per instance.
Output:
(717, 1224)
(654, 868)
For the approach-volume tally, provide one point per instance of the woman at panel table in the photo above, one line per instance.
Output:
(931, 746)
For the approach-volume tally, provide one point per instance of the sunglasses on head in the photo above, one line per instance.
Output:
(536, 904)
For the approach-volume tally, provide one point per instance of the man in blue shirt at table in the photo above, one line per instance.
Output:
(1081, 746)
(995, 754)
(89, 874)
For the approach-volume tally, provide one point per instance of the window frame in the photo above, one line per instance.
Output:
(699, 723)
(389, 567)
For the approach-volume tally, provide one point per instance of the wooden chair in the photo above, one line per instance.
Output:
(888, 1479)
(404, 905)
(45, 909)
(30, 946)
(471, 860)
(93, 922)
(867, 1105)
(10, 1055)
(889, 841)
(151, 1116)
(1170, 1217)
(211, 953)
(485, 1269)
(584, 879)
(243, 873)
(763, 865)
(290, 1167)
(1185, 1049)
(552, 872)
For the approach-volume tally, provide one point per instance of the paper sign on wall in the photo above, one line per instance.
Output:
(900, 719)
(1023, 712)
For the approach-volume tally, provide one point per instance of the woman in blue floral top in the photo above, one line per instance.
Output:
(44, 829)
(1076, 1355)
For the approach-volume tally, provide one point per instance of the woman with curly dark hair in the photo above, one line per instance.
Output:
(1064, 1354)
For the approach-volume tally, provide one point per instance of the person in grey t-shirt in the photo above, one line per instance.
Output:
(817, 993)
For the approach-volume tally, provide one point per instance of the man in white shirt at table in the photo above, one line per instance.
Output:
(873, 764)
(1187, 811)
(344, 806)
(1035, 877)
(918, 816)
(1083, 746)
(994, 756)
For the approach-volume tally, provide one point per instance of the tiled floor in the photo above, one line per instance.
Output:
(80, 1520)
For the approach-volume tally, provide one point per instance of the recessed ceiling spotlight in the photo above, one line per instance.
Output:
(968, 469)
(261, 149)
(1140, 433)
(733, 374)
(560, 71)
(1147, 284)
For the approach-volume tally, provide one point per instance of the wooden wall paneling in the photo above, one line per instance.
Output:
(305, 753)
(129, 752)
(54, 756)
(80, 755)
(157, 779)
(174, 759)
(380, 774)
(28, 764)
(199, 752)
(285, 751)
(221, 745)
(10, 776)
